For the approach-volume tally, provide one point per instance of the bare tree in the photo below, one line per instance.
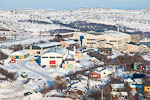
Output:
(60, 84)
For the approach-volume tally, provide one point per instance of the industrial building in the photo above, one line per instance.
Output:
(107, 39)
(54, 57)
(37, 50)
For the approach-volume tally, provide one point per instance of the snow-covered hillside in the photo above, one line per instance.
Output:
(34, 21)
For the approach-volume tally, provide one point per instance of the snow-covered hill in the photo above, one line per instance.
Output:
(34, 21)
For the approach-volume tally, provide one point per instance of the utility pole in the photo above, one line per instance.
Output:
(102, 95)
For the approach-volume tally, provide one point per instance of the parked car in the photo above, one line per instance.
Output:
(27, 93)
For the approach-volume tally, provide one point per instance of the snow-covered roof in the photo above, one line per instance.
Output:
(70, 42)
(43, 45)
(132, 86)
(78, 33)
(59, 50)
(138, 81)
(97, 72)
(124, 93)
(20, 52)
(116, 34)
(117, 86)
(81, 85)
(70, 56)
(66, 33)
(115, 93)
(128, 80)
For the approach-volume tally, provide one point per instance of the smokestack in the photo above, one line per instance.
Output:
(118, 29)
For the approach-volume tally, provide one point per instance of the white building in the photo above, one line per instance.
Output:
(54, 57)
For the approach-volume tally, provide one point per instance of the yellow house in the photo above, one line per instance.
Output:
(146, 89)
(22, 54)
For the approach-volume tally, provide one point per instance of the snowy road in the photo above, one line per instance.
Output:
(12, 98)
(24, 65)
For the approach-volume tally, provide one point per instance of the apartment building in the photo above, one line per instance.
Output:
(107, 39)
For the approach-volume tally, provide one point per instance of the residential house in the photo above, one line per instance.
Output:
(21, 54)
(96, 75)
(138, 66)
(118, 92)
(105, 72)
(146, 89)
(99, 74)
(77, 89)
(138, 83)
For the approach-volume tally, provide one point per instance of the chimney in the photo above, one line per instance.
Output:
(118, 29)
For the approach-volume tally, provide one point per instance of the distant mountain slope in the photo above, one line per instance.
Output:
(84, 19)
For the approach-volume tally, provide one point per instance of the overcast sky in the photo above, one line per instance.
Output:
(73, 4)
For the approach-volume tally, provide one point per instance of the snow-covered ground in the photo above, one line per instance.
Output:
(16, 20)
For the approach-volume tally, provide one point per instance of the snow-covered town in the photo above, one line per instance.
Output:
(83, 54)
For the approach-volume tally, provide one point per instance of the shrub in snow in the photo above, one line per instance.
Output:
(8, 75)
(16, 47)
(3, 56)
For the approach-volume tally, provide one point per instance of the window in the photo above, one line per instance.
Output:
(92, 39)
(58, 57)
(112, 41)
(51, 57)
(91, 43)
(44, 57)
(38, 52)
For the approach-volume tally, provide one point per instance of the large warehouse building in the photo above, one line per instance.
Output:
(54, 57)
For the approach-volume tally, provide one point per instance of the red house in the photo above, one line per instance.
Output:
(95, 75)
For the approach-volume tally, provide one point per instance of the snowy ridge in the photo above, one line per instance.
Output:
(31, 21)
